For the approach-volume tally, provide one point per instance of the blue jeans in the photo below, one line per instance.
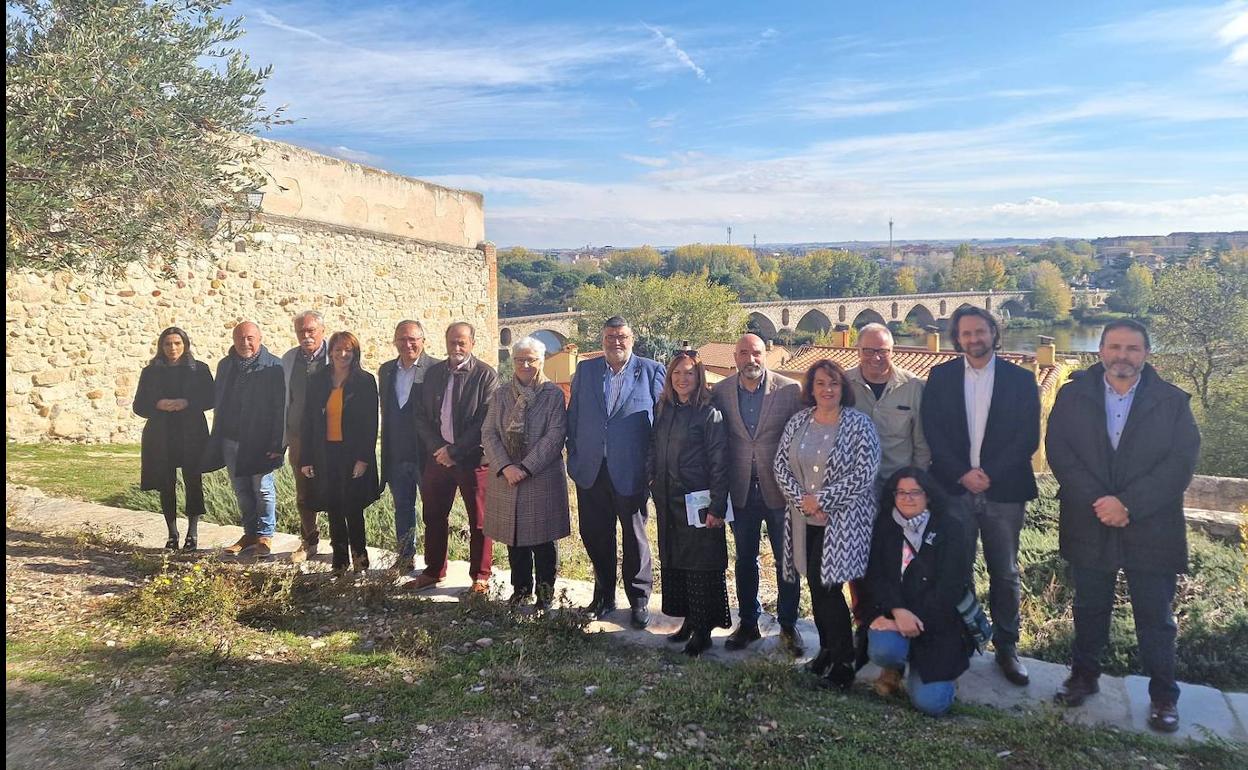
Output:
(889, 649)
(404, 481)
(257, 495)
(747, 530)
(1152, 600)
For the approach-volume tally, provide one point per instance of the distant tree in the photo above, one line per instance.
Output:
(664, 311)
(748, 288)
(1205, 323)
(963, 251)
(829, 273)
(517, 254)
(124, 123)
(1135, 292)
(966, 273)
(644, 260)
(716, 258)
(513, 297)
(1050, 294)
(904, 281)
(994, 274)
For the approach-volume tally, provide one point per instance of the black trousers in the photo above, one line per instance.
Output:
(346, 516)
(599, 508)
(194, 483)
(832, 618)
(523, 558)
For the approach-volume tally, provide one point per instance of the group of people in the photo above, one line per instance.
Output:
(872, 484)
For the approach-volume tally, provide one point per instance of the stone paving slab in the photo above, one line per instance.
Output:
(1121, 703)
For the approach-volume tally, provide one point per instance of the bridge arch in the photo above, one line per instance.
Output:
(761, 325)
(868, 316)
(1012, 307)
(919, 315)
(814, 321)
(552, 339)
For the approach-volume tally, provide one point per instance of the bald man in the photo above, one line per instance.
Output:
(247, 427)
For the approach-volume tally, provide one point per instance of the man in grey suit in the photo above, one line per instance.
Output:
(756, 405)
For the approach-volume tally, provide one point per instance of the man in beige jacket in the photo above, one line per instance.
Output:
(756, 405)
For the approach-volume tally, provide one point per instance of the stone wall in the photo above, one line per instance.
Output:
(75, 346)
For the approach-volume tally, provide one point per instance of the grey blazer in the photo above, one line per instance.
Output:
(782, 398)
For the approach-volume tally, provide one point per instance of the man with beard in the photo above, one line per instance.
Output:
(981, 418)
(610, 416)
(1123, 445)
(454, 401)
(756, 405)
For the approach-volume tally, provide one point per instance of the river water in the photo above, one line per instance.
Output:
(1067, 338)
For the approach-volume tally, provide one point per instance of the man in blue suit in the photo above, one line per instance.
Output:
(609, 420)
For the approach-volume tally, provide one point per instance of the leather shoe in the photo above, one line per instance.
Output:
(820, 664)
(641, 613)
(1163, 716)
(699, 642)
(741, 638)
(840, 676)
(1076, 689)
(1013, 668)
(791, 641)
(422, 582)
(682, 634)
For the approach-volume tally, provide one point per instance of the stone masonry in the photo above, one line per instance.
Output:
(75, 344)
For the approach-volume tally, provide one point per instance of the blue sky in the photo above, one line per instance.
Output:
(661, 123)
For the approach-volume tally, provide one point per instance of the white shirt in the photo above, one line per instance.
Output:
(447, 415)
(977, 388)
(404, 379)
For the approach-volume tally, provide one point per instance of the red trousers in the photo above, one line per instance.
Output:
(437, 489)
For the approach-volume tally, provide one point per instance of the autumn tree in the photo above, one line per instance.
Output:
(1204, 315)
(123, 123)
(829, 273)
(644, 260)
(1051, 296)
(905, 281)
(1134, 294)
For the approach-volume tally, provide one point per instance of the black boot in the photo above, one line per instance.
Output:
(819, 664)
(682, 634)
(840, 676)
(699, 642)
(171, 523)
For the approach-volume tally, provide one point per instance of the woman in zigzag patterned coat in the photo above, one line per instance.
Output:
(826, 465)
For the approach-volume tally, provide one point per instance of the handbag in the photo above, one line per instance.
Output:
(978, 627)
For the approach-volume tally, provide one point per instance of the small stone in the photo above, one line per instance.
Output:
(591, 689)
(318, 644)
(662, 756)
(484, 642)
(110, 643)
(354, 716)
(423, 728)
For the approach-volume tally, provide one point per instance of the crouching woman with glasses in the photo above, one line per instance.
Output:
(920, 568)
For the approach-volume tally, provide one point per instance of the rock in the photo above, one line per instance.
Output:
(484, 642)
(354, 716)
(591, 689)
(318, 644)
(50, 377)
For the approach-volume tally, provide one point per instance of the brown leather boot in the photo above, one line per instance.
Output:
(888, 682)
(246, 541)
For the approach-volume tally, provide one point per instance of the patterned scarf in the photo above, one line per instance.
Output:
(912, 535)
(513, 431)
(247, 365)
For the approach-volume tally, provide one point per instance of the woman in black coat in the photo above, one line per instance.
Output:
(340, 439)
(920, 568)
(174, 392)
(688, 454)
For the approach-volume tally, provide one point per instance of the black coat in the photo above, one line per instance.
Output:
(467, 414)
(688, 453)
(934, 583)
(395, 420)
(262, 423)
(1149, 473)
(172, 439)
(1011, 436)
(359, 437)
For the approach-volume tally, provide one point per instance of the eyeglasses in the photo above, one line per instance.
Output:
(527, 361)
(617, 337)
(873, 352)
(913, 494)
(690, 354)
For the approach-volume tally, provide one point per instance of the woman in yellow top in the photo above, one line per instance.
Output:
(340, 440)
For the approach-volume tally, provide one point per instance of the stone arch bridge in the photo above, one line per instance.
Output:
(815, 315)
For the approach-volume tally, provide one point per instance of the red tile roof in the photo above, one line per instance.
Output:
(917, 360)
(718, 356)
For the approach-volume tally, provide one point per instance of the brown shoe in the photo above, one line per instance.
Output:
(1163, 716)
(359, 562)
(481, 587)
(422, 582)
(262, 548)
(888, 682)
(246, 541)
(304, 552)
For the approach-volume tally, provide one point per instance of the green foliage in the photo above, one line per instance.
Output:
(829, 273)
(1204, 315)
(715, 257)
(1135, 291)
(122, 130)
(206, 592)
(904, 281)
(1050, 294)
(645, 260)
(663, 312)
(1224, 428)
(532, 283)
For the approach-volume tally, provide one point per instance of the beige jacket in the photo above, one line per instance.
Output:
(897, 419)
(782, 398)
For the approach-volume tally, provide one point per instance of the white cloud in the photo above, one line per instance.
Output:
(1185, 28)
(646, 160)
(670, 45)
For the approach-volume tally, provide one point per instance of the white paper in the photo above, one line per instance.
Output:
(696, 501)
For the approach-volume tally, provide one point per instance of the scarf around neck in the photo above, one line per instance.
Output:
(513, 430)
(912, 532)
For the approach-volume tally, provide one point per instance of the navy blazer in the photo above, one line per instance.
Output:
(1011, 436)
(622, 437)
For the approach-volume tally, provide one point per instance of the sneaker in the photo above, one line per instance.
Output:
(244, 542)
(304, 552)
(888, 682)
(261, 549)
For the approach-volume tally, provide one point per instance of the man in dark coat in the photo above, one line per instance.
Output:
(247, 429)
(981, 419)
(1123, 445)
(454, 402)
(400, 383)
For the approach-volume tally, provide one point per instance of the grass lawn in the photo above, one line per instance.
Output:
(115, 657)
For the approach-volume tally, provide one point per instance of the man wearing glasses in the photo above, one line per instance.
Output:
(610, 415)
(893, 398)
(399, 383)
